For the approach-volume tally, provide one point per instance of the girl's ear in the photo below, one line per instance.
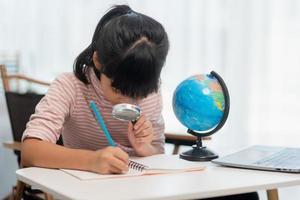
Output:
(96, 61)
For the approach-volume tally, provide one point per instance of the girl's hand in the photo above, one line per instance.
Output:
(140, 136)
(110, 160)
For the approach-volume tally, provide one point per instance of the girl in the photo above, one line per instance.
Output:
(121, 65)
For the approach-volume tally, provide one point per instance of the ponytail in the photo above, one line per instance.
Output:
(82, 62)
(85, 59)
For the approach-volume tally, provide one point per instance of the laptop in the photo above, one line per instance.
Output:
(262, 157)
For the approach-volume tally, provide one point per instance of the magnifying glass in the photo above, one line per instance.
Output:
(126, 112)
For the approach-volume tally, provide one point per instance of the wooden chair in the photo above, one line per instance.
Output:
(20, 107)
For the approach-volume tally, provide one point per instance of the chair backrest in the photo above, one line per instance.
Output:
(6, 78)
(20, 106)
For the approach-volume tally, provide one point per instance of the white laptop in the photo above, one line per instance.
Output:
(264, 158)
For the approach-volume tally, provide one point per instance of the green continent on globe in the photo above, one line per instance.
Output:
(215, 88)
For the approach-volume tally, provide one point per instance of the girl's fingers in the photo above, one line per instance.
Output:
(122, 155)
(139, 122)
(143, 132)
(118, 165)
(130, 126)
(130, 130)
(115, 170)
(143, 127)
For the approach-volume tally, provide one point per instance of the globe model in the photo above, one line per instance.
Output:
(199, 102)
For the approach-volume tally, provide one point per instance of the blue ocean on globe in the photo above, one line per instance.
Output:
(198, 103)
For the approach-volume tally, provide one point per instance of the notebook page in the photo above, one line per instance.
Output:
(84, 175)
(168, 162)
(156, 164)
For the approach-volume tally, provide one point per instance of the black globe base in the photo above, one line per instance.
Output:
(199, 154)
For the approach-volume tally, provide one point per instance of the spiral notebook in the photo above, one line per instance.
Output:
(151, 165)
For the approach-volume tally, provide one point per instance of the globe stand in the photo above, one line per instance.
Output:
(199, 152)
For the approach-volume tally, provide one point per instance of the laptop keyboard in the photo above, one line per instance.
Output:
(288, 158)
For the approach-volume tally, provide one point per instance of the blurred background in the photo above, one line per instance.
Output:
(253, 44)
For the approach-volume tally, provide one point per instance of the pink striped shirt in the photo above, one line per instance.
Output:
(65, 110)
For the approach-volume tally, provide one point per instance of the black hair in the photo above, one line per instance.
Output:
(131, 48)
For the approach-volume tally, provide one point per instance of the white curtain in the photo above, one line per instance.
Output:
(252, 44)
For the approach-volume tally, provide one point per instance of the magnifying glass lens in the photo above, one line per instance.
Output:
(126, 112)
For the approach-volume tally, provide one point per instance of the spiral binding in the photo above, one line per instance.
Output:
(136, 166)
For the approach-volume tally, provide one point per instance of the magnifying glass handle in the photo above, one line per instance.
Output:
(134, 121)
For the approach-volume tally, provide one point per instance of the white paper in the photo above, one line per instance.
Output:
(156, 164)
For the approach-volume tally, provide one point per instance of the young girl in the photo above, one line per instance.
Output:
(121, 65)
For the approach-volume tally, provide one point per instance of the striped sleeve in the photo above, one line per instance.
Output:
(53, 110)
(158, 126)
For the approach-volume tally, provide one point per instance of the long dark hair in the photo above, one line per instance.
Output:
(131, 48)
